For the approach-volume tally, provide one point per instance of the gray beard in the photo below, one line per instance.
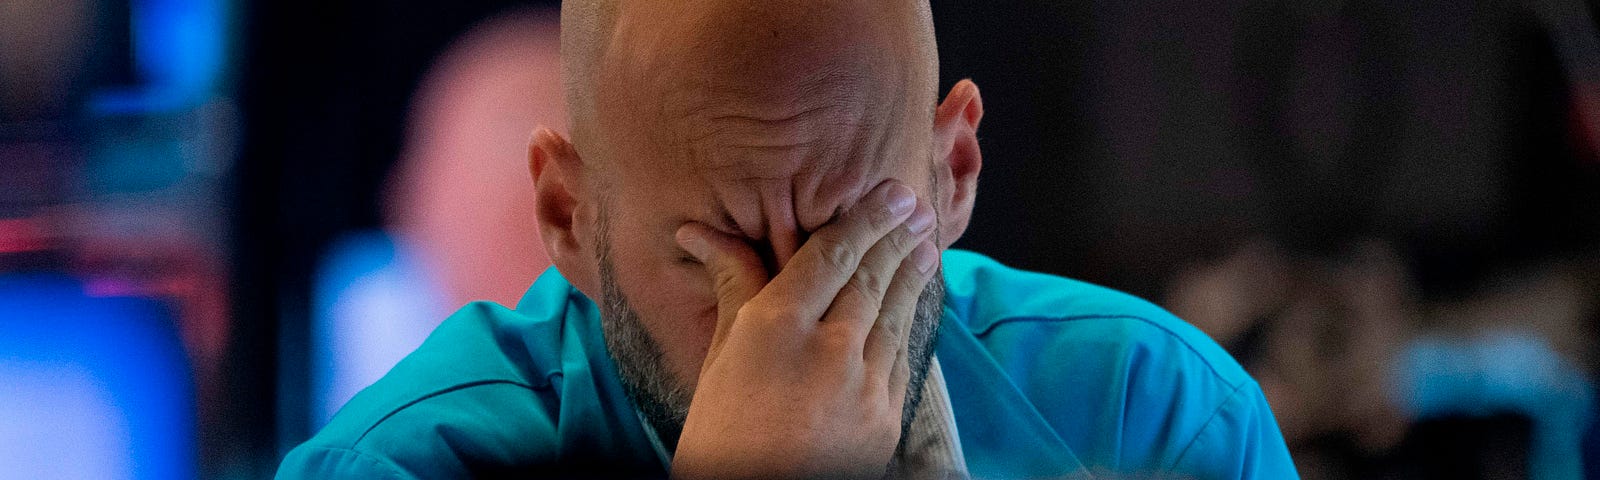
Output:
(664, 400)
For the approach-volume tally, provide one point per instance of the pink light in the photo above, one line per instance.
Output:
(22, 235)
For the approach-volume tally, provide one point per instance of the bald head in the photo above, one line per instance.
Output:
(747, 74)
(761, 119)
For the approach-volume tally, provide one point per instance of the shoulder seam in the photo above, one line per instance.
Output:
(1217, 412)
(1145, 320)
(433, 394)
(1049, 319)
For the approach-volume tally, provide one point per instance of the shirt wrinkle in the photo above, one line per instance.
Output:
(1206, 427)
(1171, 335)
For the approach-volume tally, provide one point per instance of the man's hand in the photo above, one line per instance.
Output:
(807, 374)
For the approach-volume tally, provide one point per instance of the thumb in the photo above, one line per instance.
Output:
(737, 273)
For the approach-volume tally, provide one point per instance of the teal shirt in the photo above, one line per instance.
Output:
(1048, 377)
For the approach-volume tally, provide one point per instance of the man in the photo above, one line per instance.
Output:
(757, 194)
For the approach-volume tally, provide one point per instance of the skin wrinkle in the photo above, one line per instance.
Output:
(807, 175)
(784, 142)
(764, 148)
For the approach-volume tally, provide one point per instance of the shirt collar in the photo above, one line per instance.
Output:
(932, 446)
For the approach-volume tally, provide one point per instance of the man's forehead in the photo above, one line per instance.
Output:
(811, 128)
(762, 104)
(726, 98)
(753, 189)
(809, 181)
(745, 138)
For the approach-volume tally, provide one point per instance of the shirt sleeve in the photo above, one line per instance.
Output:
(1240, 441)
(308, 462)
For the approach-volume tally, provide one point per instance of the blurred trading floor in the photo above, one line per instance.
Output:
(218, 220)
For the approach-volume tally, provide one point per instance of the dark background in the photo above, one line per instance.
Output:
(1121, 139)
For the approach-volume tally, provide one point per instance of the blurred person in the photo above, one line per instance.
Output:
(1318, 332)
(455, 196)
(750, 232)
(1483, 190)
(1355, 360)
(457, 208)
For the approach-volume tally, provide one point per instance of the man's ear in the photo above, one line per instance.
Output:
(958, 160)
(563, 209)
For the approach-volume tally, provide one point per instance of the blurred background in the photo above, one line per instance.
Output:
(219, 219)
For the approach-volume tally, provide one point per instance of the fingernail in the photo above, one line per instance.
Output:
(926, 256)
(920, 222)
(692, 243)
(901, 199)
(542, 134)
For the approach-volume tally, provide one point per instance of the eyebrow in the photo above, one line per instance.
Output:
(727, 224)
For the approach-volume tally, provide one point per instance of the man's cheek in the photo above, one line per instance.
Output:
(694, 285)
(682, 322)
(692, 311)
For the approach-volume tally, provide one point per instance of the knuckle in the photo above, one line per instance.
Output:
(728, 271)
(869, 285)
(755, 312)
(838, 256)
(899, 241)
(880, 217)
(749, 310)
(884, 329)
(721, 282)
(763, 315)
(830, 341)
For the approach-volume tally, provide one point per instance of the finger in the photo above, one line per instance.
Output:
(737, 274)
(830, 257)
(887, 342)
(900, 375)
(859, 304)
